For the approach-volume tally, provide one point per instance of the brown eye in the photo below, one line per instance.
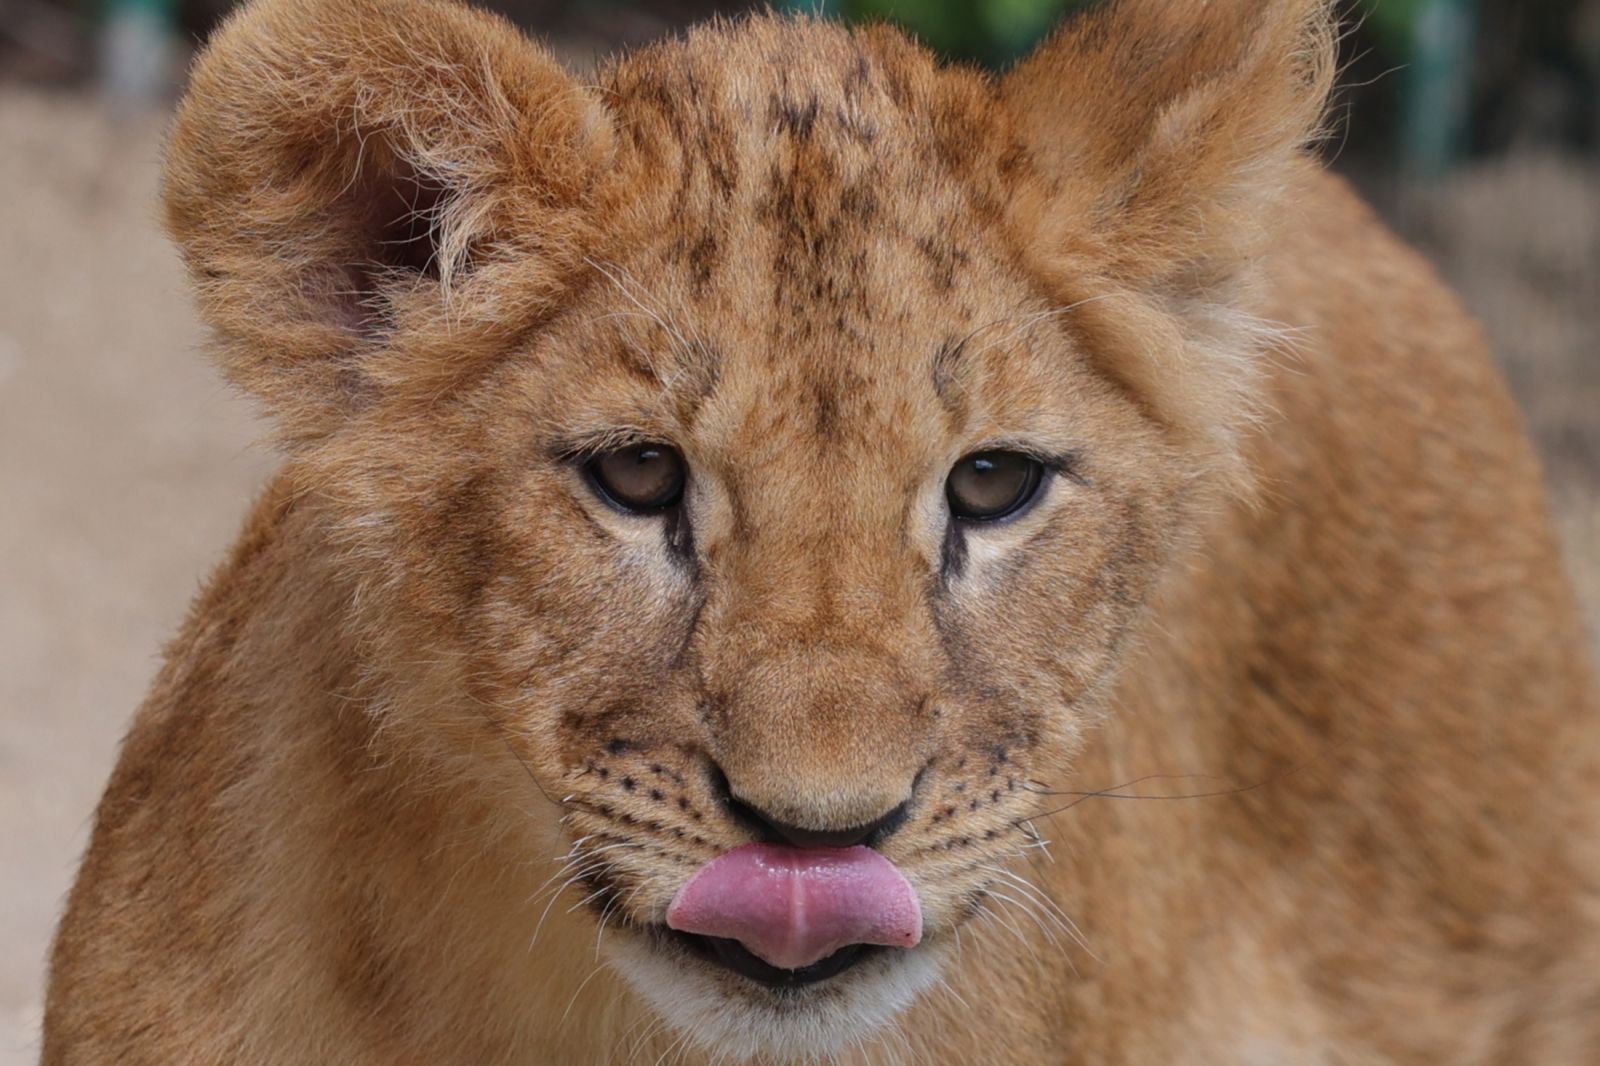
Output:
(641, 477)
(989, 485)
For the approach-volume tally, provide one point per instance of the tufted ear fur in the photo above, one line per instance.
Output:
(1163, 134)
(369, 192)
(1167, 127)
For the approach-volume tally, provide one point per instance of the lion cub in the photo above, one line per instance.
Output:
(735, 517)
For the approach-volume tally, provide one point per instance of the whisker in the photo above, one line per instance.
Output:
(685, 351)
(569, 882)
(949, 989)
(671, 1048)
(1114, 793)
(1049, 933)
(581, 865)
(590, 898)
(1002, 916)
(595, 972)
(500, 731)
(653, 1023)
(1047, 907)
(1029, 320)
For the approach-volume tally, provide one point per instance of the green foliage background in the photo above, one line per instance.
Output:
(994, 31)
(991, 31)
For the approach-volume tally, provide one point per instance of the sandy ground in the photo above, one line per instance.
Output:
(125, 466)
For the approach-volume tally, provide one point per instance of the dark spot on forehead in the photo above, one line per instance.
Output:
(858, 203)
(945, 259)
(826, 410)
(860, 76)
(797, 119)
(635, 359)
(703, 259)
(789, 168)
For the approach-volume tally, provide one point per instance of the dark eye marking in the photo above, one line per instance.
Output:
(994, 485)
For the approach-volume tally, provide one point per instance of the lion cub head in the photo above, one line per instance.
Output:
(772, 442)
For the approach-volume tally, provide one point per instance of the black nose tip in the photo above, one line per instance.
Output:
(771, 830)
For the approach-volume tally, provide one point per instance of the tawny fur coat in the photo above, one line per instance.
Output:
(446, 732)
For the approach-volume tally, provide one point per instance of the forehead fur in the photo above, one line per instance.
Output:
(838, 168)
(806, 199)
(808, 127)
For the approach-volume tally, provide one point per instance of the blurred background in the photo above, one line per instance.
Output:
(125, 466)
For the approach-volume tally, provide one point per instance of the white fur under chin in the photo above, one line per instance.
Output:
(805, 1029)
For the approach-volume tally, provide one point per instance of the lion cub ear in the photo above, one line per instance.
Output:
(369, 192)
(1161, 135)
(1163, 129)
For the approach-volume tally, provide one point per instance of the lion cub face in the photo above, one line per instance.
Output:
(828, 552)
(808, 512)
(776, 445)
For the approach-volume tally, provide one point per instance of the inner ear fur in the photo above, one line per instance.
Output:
(1161, 136)
(347, 177)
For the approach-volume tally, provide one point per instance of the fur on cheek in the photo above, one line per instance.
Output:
(1194, 362)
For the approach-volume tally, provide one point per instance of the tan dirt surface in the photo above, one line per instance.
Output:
(125, 466)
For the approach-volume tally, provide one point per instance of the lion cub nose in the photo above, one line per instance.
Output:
(773, 830)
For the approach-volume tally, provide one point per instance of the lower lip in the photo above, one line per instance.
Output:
(732, 955)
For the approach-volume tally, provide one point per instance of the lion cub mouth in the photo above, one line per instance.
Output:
(734, 956)
(787, 916)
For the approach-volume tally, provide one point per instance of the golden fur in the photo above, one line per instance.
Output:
(431, 752)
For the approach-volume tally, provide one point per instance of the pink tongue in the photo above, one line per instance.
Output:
(794, 906)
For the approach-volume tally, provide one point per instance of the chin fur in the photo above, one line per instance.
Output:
(753, 1024)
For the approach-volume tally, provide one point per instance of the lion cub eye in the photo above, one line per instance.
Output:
(989, 485)
(641, 477)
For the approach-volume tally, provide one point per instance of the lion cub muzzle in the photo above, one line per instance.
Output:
(819, 746)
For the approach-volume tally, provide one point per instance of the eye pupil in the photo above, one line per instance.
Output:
(991, 485)
(641, 477)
